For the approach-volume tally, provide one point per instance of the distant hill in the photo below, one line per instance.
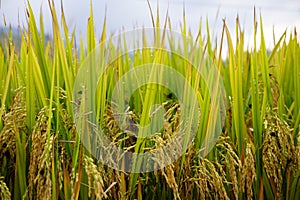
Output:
(5, 34)
(5, 30)
(16, 35)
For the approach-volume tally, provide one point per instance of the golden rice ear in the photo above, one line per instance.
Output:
(248, 175)
(168, 173)
(278, 151)
(14, 123)
(210, 179)
(13, 143)
(40, 182)
(4, 190)
(298, 150)
(227, 157)
(95, 178)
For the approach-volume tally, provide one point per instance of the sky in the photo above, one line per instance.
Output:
(129, 14)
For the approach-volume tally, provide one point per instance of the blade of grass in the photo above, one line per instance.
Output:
(38, 49)
(6, 88)
(236, 85)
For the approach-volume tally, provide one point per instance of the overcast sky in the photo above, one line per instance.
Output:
(135, 13)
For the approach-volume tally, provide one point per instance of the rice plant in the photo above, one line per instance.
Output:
(256, 156)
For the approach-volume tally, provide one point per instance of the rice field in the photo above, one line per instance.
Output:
(233, 124)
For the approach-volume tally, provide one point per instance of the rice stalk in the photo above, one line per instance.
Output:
(41, 153)
(236, 62)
